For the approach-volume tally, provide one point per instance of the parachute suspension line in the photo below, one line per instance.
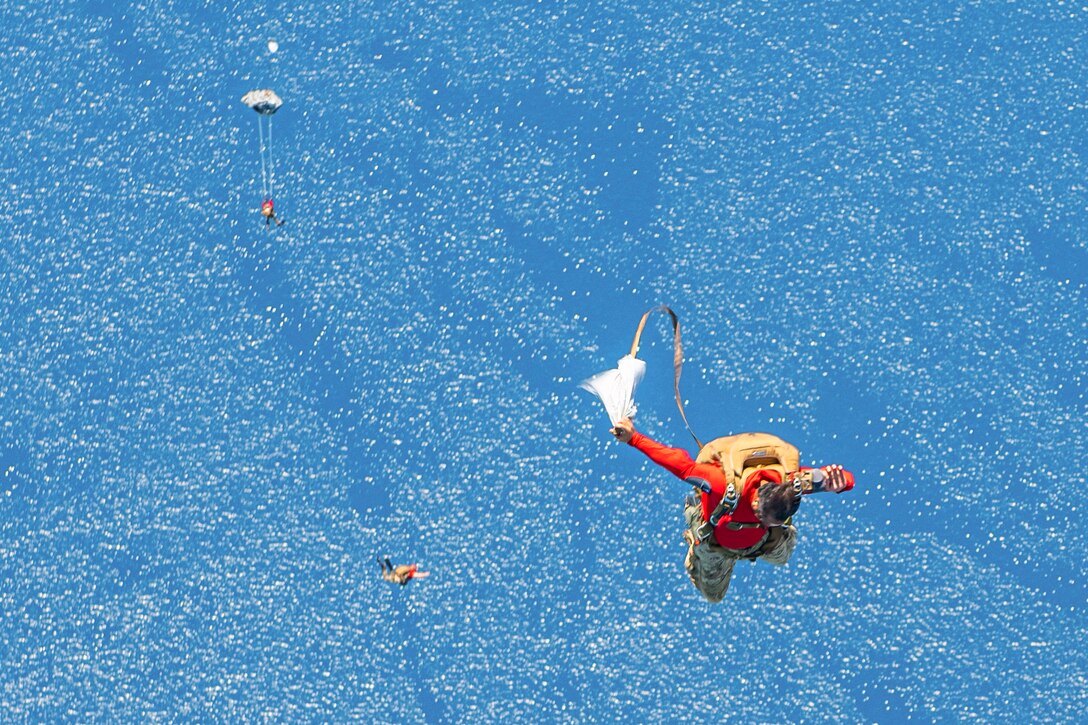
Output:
(264, 174)
(270, 167)
(677, 360)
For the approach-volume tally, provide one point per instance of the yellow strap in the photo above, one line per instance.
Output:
(677, 359)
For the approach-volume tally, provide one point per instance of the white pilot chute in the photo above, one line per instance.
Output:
(616, 387)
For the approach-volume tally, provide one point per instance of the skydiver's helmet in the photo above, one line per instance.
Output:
(266, 208)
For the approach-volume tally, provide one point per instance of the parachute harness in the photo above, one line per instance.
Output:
(726, 506)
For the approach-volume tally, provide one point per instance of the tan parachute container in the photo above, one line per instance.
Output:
(741, 455)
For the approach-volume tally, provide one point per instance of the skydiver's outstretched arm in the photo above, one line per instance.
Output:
(825, 479)
(676, 461)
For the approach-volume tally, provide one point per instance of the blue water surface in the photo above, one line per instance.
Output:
(870, 219)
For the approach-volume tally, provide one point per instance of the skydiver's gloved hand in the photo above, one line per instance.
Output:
(623, 430)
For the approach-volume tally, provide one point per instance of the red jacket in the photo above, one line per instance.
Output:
(677, 462)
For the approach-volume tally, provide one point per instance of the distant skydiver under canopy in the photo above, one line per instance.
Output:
(268, 211)
(400, 574)
(265, 102)
(747, 487)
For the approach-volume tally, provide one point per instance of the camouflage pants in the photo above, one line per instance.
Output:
(710, 566)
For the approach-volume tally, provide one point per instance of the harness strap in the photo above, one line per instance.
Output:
(741, 525)
(725, 507)
(677, 359)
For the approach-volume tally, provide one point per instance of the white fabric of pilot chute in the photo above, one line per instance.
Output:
(616, 387)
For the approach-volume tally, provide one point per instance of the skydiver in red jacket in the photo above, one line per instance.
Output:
(268, 211)
(758, 526)
(401, 574)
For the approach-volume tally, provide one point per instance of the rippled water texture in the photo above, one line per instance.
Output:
(870, 221)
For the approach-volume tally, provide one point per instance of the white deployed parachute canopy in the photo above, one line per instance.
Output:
(263, 101)
(616, 387)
